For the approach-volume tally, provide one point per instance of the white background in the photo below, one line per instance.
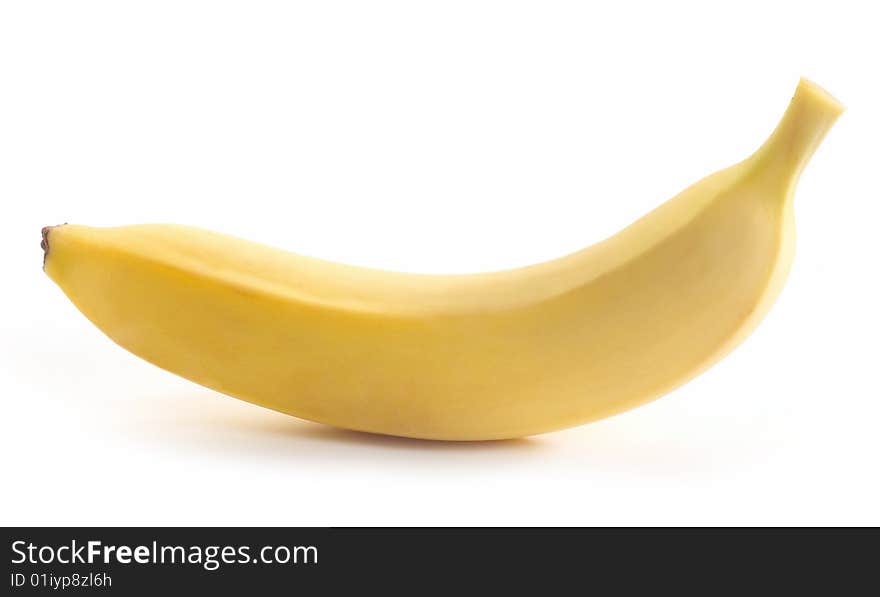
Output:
(433, 137)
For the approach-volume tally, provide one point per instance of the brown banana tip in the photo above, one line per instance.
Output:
(44, 244)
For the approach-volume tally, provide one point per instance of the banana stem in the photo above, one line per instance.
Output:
(808, 118)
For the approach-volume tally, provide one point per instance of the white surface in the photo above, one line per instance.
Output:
(435, 137)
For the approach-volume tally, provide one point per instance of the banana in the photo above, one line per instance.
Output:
(459, 357)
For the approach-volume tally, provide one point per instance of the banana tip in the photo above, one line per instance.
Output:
(44, 244)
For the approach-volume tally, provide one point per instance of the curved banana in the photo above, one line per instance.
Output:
(468, 357)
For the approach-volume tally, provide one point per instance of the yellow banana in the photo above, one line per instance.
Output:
(468, 357)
